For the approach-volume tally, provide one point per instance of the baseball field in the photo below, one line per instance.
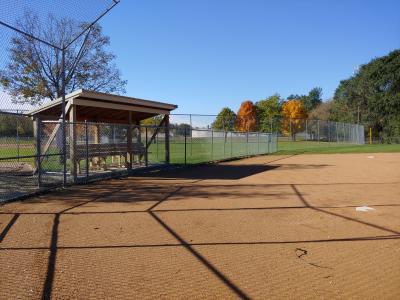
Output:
(282, 226)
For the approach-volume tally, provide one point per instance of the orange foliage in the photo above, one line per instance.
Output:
(246, 120)
(294, 113)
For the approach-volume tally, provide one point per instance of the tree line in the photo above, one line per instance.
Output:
(13, 125)
(259, 116)
(370, 97)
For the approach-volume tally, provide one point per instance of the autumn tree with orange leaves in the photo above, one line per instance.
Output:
(294, 113)
(246, 120)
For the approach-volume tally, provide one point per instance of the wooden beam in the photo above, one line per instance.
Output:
(123, 99)
(155, 132)
(114, 106)
(53, 134)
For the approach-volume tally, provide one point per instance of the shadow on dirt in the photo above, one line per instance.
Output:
(225, 171)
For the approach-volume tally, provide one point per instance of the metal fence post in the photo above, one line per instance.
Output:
(167, 140)
(231, 144)
(87, 149)
(306, 131)
(225, 136)
(191, 137)
(212, 144)
(258, 143)
(318, 130)
(329, 131)
(247, 143)
(350, 135)
(337, 133)
(17, 136)
(64, 136)
(344, 132)
(185, 145)
(270, 120)
(38, 151)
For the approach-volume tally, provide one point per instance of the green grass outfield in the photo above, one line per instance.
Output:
(203, 151)
(286, 147)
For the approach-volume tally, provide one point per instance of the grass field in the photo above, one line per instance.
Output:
(200, 150)
(203, 150)
(286, 147)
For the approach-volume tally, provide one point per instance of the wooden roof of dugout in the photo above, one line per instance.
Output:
(101, 107)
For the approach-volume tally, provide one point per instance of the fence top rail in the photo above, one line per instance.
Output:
(317, 120)
(229, 131)
(155, 127)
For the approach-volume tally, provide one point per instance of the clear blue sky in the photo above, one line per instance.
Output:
(204, 55)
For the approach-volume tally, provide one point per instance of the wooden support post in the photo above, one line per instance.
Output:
(139, 142)
(72, 142)
(154, 136)
(129, 152)
(54, 133)
(146, 157)
(167, 148)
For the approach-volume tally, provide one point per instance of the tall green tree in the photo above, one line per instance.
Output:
(225, 120)
(313, 99)
(34, 72)
(268, 110)
(372, 95)
(13, 125)
(310, 101)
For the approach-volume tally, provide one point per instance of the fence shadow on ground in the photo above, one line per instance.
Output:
(227, 172)
(217, 171)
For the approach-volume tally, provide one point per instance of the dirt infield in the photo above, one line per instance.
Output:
(264, 227)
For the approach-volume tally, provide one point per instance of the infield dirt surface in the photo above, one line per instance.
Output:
(264, 227)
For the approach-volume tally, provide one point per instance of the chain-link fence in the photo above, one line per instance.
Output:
(17, 155)
(42, 44)
(205, 145)
(32, 157)
(288, 129)
(318, 131)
